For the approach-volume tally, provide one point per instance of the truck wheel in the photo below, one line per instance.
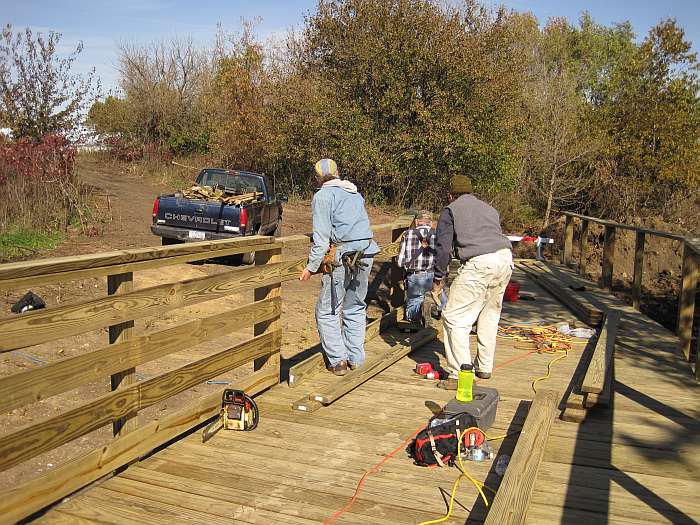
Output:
(165, 241)
(249, 258)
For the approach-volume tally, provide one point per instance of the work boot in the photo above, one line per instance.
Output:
(483, 375)
(448, 384)
(339, 369)
(354, 366)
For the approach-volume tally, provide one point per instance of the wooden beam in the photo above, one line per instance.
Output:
(578, 304)
(260, 294)
(567, 254)
(46, 271)
(315, 363)
(686, 299)
(27, 498)
(603, 352)
(638, 270)
(63, 321)
(372, 367)
(307, 368)
(630, 227)
(606, 278)
(509, 507)
(50, 433)
(53, 378)
(583, 247)
(121, 284)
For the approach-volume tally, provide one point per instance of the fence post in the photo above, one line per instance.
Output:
(118, 284)
(397, 294)
(264, 292)
(566, 257)
(638, 270)
(583, 244)
(686, 299)
(606, 278)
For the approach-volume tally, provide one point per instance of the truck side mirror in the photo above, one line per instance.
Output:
(282, 197)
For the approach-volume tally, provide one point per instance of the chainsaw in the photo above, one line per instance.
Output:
(238, 412)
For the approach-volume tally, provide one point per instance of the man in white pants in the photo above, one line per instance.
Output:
(471, 230)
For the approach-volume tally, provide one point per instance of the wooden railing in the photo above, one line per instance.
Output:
(689, 275)
(126, 350)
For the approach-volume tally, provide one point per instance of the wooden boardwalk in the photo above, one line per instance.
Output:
(636, 462)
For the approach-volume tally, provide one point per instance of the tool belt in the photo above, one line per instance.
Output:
(437, 445)
(352, 261)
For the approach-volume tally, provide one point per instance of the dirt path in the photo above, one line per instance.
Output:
(123, 216)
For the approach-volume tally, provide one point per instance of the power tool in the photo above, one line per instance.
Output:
(238, 412)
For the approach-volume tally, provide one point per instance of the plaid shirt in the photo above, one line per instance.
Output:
(411, 256)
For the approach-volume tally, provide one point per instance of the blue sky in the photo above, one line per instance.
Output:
(102, 24)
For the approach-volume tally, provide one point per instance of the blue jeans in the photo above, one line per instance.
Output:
(417, 285)
(347, 343)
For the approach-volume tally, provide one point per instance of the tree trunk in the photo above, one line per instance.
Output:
(550, 198)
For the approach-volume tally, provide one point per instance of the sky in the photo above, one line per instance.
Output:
(101, 25)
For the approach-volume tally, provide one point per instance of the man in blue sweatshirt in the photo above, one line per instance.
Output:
(340, 219)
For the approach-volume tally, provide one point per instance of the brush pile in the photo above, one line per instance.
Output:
(210, 194)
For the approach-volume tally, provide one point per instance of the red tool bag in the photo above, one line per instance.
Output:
(437, 445)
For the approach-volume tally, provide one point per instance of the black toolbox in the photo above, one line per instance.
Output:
(482, 406)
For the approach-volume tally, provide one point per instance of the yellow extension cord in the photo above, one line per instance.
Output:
(551, 342)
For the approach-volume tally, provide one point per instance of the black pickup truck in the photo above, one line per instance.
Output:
(178, 219)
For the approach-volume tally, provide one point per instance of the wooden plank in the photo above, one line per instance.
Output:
(47, 271)
(686, 299)
(355, 378)
(53, 378)
(53, 323)
(578, 304)
(513, 496)
(583, 247)
(638, 270)
(260, 294)
(307, 368)
(50, 433)
(606, 278)
(29, 497)
(603, 352)
(630, 227)
(567, 254)
(119, 284)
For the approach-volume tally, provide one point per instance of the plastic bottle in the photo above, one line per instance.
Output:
(465, 382)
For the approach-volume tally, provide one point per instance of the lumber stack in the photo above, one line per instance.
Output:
(210, 194)
(569, 297)
(592, 383)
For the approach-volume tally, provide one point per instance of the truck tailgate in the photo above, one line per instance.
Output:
(196, 214)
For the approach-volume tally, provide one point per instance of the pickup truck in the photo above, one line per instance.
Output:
(178, 219)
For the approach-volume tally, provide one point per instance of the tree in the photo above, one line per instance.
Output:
(38, 93)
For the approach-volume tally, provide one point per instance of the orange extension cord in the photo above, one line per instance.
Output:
(376, 468)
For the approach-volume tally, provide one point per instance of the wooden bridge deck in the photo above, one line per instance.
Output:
(636, 462)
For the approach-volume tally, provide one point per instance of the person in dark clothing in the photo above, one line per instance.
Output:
(471, 230)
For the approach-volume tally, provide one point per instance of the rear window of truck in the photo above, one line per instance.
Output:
(231, 183)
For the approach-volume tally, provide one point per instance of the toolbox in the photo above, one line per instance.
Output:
(482, 406)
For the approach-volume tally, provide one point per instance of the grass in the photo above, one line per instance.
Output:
(26, 243)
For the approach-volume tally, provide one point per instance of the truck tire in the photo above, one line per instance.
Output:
(165, 241)
(249, 257)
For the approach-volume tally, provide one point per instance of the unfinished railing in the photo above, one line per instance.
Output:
(689, 276)
(126, 350)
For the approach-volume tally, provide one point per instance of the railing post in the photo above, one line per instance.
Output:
(638, 270)
(264, 292)
(118, 284)
(606, 279)
(397, 294)
(686, 299)
(566, 256)
(583, 244)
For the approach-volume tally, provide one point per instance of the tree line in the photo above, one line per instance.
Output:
(404, 93)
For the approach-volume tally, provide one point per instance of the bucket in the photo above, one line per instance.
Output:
(511, 293)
